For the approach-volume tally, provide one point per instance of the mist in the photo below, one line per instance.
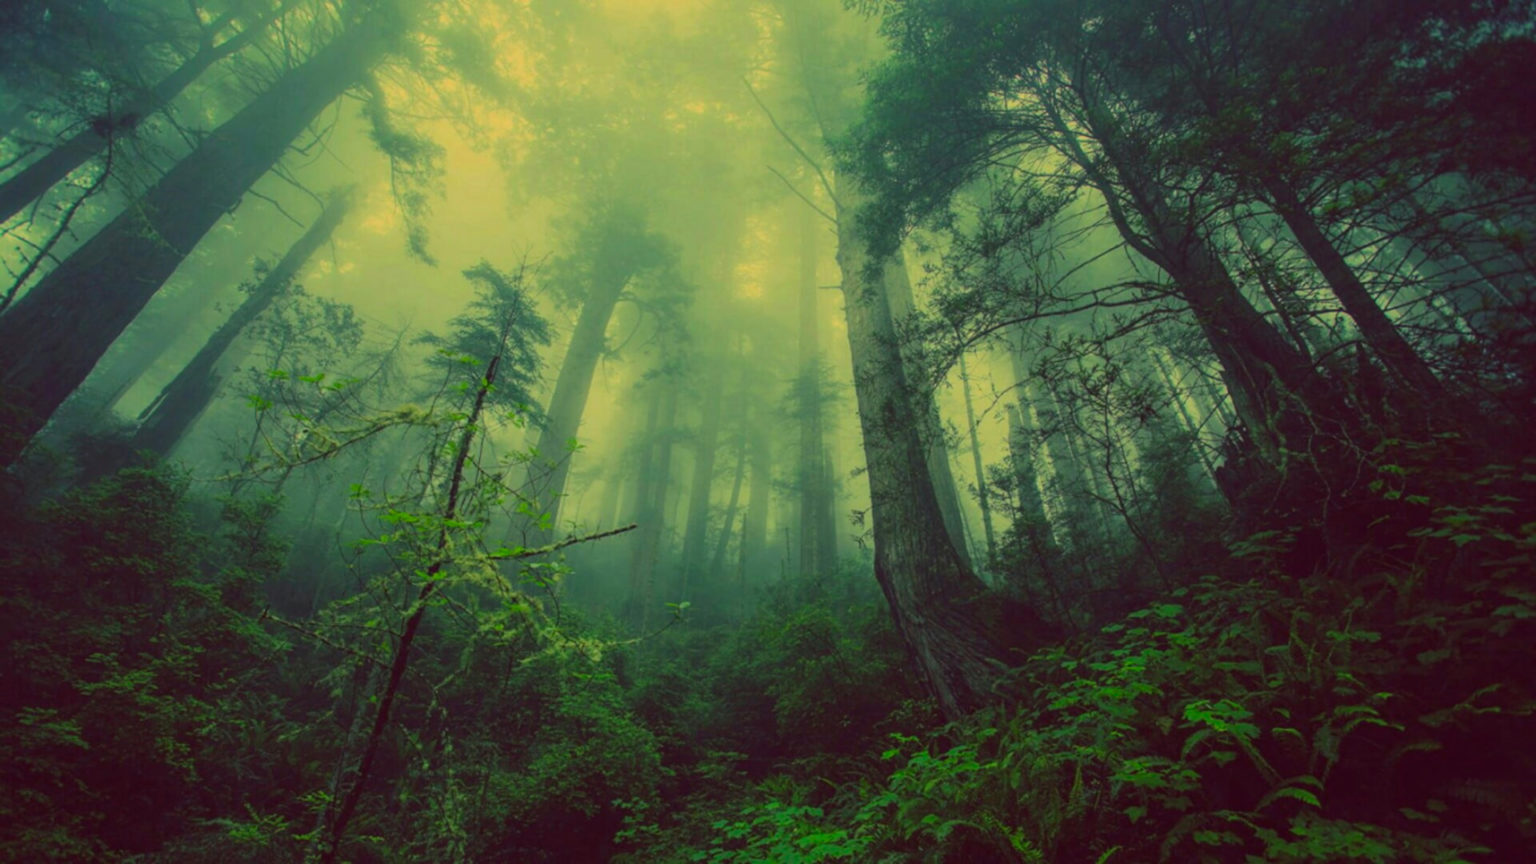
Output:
(627, 430)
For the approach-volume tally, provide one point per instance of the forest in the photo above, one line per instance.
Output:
(788, 431)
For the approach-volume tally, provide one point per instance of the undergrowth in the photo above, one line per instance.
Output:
(1378, 708)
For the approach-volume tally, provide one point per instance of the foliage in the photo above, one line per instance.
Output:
(1376, 711)
(127, 660)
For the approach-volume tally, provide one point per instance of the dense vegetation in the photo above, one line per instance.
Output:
(1171, 497)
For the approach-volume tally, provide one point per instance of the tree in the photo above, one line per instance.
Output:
(489, 363)
(166, 419)
(44, 172)
(609, 251)
(52, 337)
(1030, 85)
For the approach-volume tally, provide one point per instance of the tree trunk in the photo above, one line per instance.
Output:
(728, 522)
(1033, 527)
(28, 184)
(695, 533)
(899, 288)
(1389, 346)
(651, 500)
(54, 334)
(574, 384)
(182, 401)
(441, 557)
(1271, 383)
(754, 524)
(814, 503)
(935, 599)
(976, 463)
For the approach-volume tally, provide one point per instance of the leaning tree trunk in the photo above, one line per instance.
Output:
(441, 557)
(1270, 381)
(1386, 342)
(936, 600)
(568, 402)
(183, 400)
(52, 337)
(28, 184)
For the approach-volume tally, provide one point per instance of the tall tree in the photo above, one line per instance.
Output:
(52, 337)
(817, 549)
(1028, 82)
(166, 419)
(44, 172)
(705, 445)
(610, 250)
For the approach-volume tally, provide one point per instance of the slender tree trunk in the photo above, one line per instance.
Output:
(754, 524)
(935, 598)
(182, 401)
(28, 184)
(976, 463)
(441, 557)
(53, 335)
(651, 501)
(814, 500)
(728, 522)
(696, 530)
(1177, 397)
(641, 496)
(1389, 346)
(826, 528)
(1033, 527)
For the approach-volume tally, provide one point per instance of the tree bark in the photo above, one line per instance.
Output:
(901, 303)
(54, 334)
(935, 599)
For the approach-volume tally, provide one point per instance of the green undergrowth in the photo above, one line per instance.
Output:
(1380, 709)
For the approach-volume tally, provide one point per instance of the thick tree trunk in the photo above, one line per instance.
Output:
(899, 288)
(183, 400)
(937, 602)
(1389, 346)
(28, 184)
(572, 386)
(54, 334)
